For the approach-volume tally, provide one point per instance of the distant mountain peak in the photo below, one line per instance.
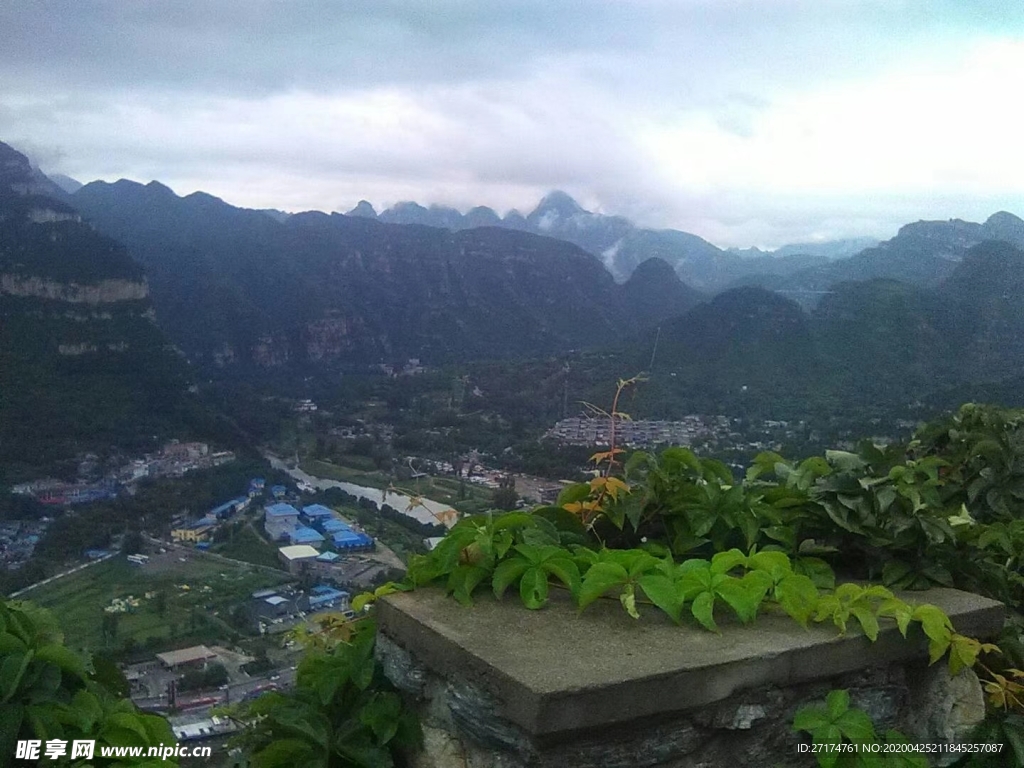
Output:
(66, 183)
(364, 210)
(560, 203)
(1004, 216)
(18, 175)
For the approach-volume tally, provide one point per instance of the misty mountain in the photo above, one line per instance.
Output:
(66, 183)
(923, 254)
(617, 242)
(655, 293)
(234, 286)
(828, 249)
(872, 343)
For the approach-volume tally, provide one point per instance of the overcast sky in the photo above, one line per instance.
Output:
(748, 122)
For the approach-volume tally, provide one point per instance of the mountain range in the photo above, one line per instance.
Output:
(621, 245)
(233, 286)
(83, 365)
(242, 291)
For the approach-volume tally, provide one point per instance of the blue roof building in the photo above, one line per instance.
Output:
(315, 512)
(228, 508)
(279, 519)
(278, 491)
(304, 535)
(321, 597)
(328, 557)
(350, 541)
(281, 510)
(334, 525)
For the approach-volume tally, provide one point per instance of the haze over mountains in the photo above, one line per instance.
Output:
(235, 286)
(244, 291)
(621, 245)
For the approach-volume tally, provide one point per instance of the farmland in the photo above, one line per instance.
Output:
(178, 598)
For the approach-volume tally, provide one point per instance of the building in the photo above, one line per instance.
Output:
(296, 555)
(278, 491)
(315, 513)
(198, 531)
(256, 486)
(322, 597)
(333, 525)
(195, 657)
(279, 519)
(303, 535)
(350, 541)
(229, 508)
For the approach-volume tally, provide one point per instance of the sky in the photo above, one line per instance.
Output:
(747, 122)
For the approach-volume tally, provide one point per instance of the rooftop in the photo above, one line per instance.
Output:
(317, 510)
(186, 655)
(298, 552)
(281, 510)
(304, 535)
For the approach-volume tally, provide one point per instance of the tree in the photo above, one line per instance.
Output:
(59, 694)
(108, 627)
(342, 711)
(505, 496)
(160, 603)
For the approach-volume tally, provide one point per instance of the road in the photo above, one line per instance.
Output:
(230, 694)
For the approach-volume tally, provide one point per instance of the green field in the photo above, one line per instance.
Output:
(197, 598)
(246, 544)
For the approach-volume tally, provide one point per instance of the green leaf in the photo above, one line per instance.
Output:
(87, 708)
(836, 703)
(743, 596)
(67, 660)
(937, 627)
(898, 610)
(11, 671)
(703, 610)
(381, 714)
(507, 573)
(817, 570)
(775, 563)
(533, 588)
(845, 461)
(565, 570)
(810, 718)
(598, 579)
(856, 726)
(798, 596)
(285, 753)
(867, 621)
(895, 573)
(464, 579)
(665, 593)
(723, 562)
(124, 730)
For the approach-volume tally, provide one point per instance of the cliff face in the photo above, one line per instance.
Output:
(102, 292)
(84, 365)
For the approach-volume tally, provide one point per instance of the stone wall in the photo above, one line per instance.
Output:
(474, 703)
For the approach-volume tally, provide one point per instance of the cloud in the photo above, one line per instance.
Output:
(748, 122)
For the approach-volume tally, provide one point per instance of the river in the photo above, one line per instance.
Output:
(425, 510)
